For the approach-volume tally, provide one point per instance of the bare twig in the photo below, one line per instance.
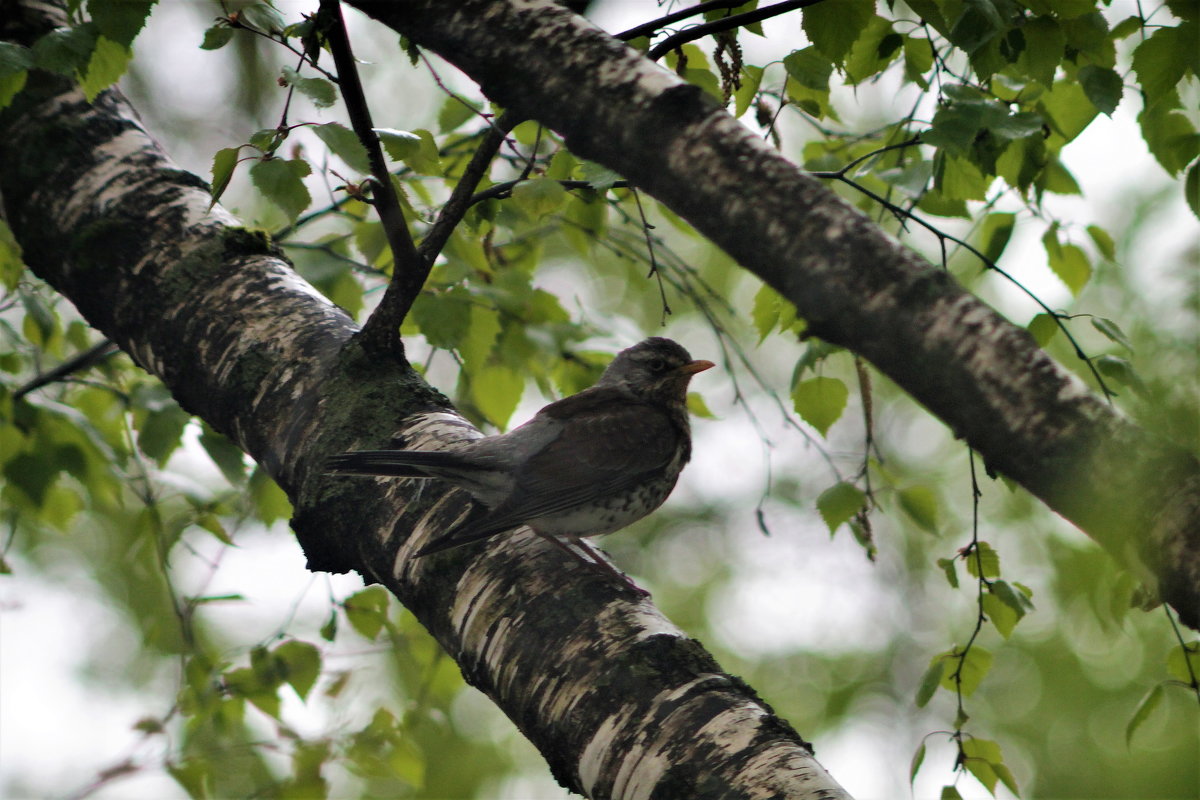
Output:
(725, 24)
(77, 363)
(647, 28)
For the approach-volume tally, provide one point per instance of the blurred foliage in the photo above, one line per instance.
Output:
(1011, 650)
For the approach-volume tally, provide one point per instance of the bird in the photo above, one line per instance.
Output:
(588, 464)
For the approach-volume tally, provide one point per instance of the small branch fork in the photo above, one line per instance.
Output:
(410, 264)
(381, 333)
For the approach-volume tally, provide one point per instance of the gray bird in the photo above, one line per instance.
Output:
(585, 465)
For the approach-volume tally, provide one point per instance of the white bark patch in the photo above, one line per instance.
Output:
(648, 759)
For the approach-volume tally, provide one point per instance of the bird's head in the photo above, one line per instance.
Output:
(654, 369)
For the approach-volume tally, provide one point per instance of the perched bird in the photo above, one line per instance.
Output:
(585, 465)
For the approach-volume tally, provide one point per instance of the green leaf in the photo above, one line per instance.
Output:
(1102, 86)
(1162, 60)
(399, 145)
(994, 234)
(539, 197)
(120, 21)
(481, 338)
(950, 793)
(14, 58)
(873, 51)
(425, 160)
(224, 163)
(216, 37)
(107, 64)
(320, 91)
(931, 679)
(985, 761)
(281, 182)
(1067, 108)
(454, 112)
(1112, 331)
(11, 264)
(1191, 189)
(920, 503)
(1044, 43)
(212, 524)
(329, 629)
(839, 503)
(160, 433)
(1103, 241)
(706, 80)
(66, 50)
(979, 23)
(345, 145)
(974, 667)
(263, 17)
(1015, 598)
(266, 140)
(1120, 370)
(11, 84)
(959, 179)
(270, 502)
(1002, 616)
(820, 401)
(834, 27)
(194, 776)
(1043, 328)
(765, 312)
(1067, 261)
(225, 454)
(809, 67)
(598, 176)
(1179, 657)
(300, 664)
(1170, 135)
(496, 390)
(949, 568)
(366, 611)
(1151, 701)
(918, 60)
(443, 317)
(744, 95)
(982, 556)
(918, 759)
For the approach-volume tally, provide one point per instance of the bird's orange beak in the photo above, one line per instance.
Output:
(692, 367)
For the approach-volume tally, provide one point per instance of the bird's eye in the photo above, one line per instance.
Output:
(656, 365)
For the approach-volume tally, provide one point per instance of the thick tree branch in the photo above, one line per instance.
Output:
(856, 286)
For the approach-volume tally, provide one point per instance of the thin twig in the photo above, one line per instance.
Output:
(647, 28)
(725, 24)
(81, 361)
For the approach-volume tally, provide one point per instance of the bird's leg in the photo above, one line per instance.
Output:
(593, 561)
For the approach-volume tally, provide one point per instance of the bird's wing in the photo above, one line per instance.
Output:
(398, 463)
(607, 444)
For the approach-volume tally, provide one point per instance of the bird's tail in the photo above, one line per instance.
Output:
(396, 463)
